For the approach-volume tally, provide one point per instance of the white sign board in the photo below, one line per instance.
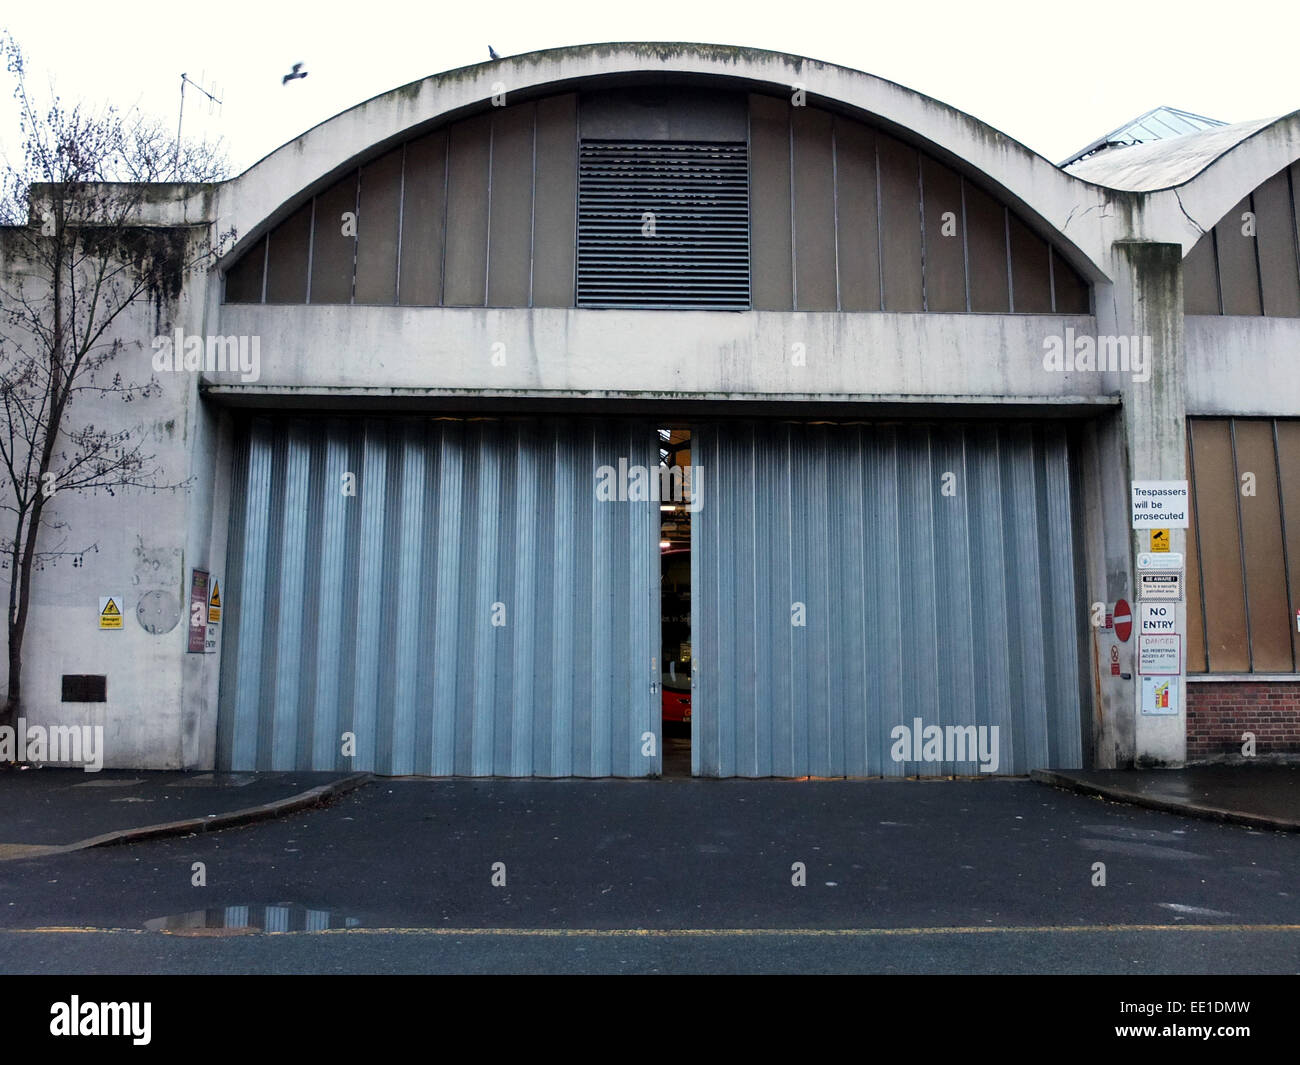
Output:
(1157, 619)
(1159, 695)
(1160, 656)
(1159, 504)
(1162, 586)
(1160, 560)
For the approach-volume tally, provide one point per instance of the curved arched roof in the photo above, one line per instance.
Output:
(1045, 195)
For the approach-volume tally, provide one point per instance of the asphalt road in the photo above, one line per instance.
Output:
(673, 876)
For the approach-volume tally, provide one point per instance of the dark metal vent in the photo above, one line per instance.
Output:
(663, 224)
(85, 688)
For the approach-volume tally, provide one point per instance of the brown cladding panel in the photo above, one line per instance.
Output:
(244, 279)
(286, 264)
(1194, 652)
(1261, 523)
(772, 286)
(423, 189)
(1238, 270)
(1072, 295)
(467, 208)
(334, 242)
(377, 221)
(900, 224)
(986, 252)
(1275, 234)
(945, 257)
(1200, 278)
(1216, 512)
(510, 241)
(555, 211)
(858, 225)
(1031, 289)
(1288, 455)
(814, 210)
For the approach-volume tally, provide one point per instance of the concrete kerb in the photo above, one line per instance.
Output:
(316, 796)
(1066, 782)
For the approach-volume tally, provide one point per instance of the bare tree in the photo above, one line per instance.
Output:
(76, 256)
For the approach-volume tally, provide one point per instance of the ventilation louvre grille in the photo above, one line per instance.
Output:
(697, 197)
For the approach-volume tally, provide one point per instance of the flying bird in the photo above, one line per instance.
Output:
(297, 72)
(492, 53)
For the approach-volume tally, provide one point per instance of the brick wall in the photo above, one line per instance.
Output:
(1218, 713)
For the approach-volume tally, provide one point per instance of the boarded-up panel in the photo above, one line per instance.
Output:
(423, 191)
(986, 251)
(1201, 278)
(1072, 295)
(858, 225)
(510, 243)
(1261, 526)
(1031, 289)
(334, 242)
(1216, 513)
(900, 224)
(1288, 460)
(244, 279)
(1194, 652)
(814, 210)
(556, 207)
(770, 238)
(377, 221)
(945, 256)
(1238, 270)
(467, 208)
(1275, 233)
(286, 263)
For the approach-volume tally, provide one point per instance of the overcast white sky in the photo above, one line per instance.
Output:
(1054, 76)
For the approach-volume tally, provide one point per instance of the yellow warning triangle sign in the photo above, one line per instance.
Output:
(216, 595)
(110, 610)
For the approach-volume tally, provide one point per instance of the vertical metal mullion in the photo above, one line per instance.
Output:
(794, 258)
(356, 238)
(880, 224)
(1011, 282)
(920, 199)
(1295, 219)
(1196, 532)
(266, 261)
(1259, 273)
(1241, 544)
(1218, 274)
(749, 208)
(835, 208)
(1286, 560)
(401, 221)
(532, 211)
(446, 184)
(487, 236)
(311, 247)
(1051, 275)
(965, 243)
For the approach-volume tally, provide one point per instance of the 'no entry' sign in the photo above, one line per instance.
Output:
(1123, 620)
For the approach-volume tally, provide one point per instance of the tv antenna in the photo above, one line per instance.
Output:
(212, 102)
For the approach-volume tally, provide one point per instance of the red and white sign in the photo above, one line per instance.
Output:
(1123, 620)
(1114, 660)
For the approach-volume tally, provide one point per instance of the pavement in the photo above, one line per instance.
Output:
(48, 810)
(1260, 796)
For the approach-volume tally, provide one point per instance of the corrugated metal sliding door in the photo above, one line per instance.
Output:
(473, 609)
(845, 585)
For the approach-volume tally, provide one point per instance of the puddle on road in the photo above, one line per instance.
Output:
(248, 920)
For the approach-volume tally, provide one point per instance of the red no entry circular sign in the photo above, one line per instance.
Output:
(1123, 620)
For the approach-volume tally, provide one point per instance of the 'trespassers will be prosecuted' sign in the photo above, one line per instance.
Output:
(1159, 504)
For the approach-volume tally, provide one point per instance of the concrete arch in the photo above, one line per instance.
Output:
(1047, 198)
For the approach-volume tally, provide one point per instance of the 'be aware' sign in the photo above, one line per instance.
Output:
(1159, 504)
